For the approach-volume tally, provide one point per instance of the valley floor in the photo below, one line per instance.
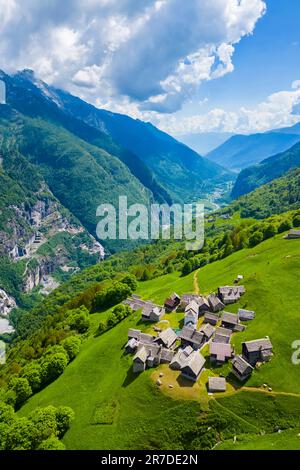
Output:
(116, 409)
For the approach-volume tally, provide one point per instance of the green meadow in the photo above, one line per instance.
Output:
(116, 409)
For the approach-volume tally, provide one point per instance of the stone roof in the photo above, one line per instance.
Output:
(258, 345)
(217, 384)
(215, 302)
(221, 350)
(193, 307)
(191, 335)
(208, 330)
(141, 355)
(245, 315)
(230, 318)
(211, 316)
(195, 364)
(241, 365)
(168, 337)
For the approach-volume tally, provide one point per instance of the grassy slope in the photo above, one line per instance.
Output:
(147, 418)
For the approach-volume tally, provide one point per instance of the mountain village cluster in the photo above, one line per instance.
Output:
(181, 349)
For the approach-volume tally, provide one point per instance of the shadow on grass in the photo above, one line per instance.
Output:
(130, 377)
(184, 383)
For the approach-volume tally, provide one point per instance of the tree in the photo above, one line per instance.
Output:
(21, 388)
(72, 346)
(78, 319)
(45, 422)
(102, 327)
(186, 268)
(255, 239)
(131, 281)
(52, 443)
(296, 221)
(111, 296)
(64, 418)
(112, 320)
(21, 435)
(53, 366)
(269, 231)
(7, 413)
(33, 373)
(284, 226)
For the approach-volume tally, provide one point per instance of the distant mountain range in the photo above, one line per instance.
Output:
(205, 142)
(266, 171)
(242, 151)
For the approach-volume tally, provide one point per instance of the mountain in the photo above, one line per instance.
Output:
(182, 173)
(242, 151)
(266, 171)
(295, 129)
(205, 142)
(280, 195)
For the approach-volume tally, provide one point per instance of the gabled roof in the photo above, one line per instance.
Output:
(139, 336)
(258, 345)
(181, 358)
(222, 335)
(246, 314)
(141, 355)
(208, 330)
(211, 316)
(168, 337)
(191, 335)
(241, 365)
(192, 306)
(221, 350)
(230, 318)
(215, 302)
(195, 364)
(223, 331)
(166, 355)
(132, 343)
(217, 384)
(203, 302)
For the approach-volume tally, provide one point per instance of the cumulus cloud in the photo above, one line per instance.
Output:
(280, 109)
(150, 54)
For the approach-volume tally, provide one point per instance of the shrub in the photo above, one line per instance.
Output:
(296, 221)
(21, 388)
(284, 226)
(255, 239)
(53, 366)
(64, 417)
(52, 443)
(131, 281)
(33, 373)
(72, 346)
(269, 231)
(78, 319)
(111, 296)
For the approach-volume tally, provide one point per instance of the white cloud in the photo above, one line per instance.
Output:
(150, 54)
(278, 110)
(296, 84)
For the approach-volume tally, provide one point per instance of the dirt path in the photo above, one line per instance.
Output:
(266, 391)
(196, 285)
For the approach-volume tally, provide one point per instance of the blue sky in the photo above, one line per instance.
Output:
(189, 67)
(265, 62)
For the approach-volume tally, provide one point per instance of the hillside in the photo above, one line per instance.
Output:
(266, 171)
(101, 373)
(278, 196)
(242, 151)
